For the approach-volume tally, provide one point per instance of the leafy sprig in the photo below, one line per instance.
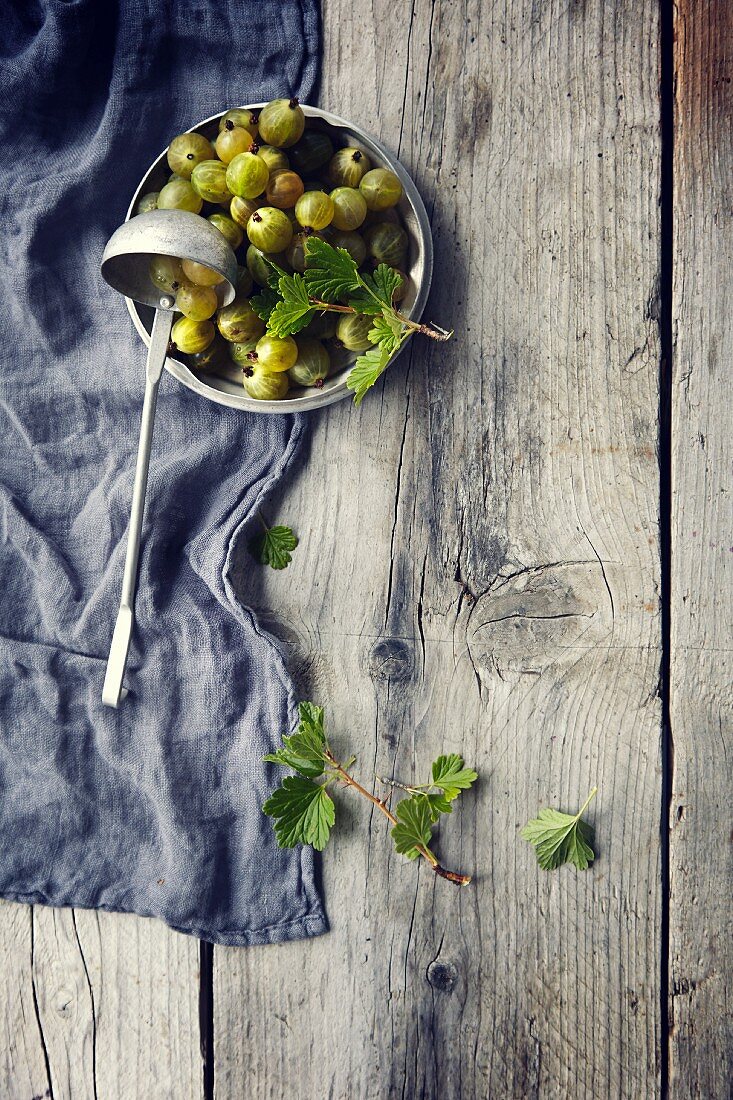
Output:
(273, 547)
(332, 282)
(304, 812)
(561, 838)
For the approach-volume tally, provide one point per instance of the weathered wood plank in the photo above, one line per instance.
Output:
(23, 1071)
(701, 858)
(519, 461)
(97, 1005)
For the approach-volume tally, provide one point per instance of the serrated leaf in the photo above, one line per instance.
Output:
(363, 302)
(452, 776)
(560, 838)
(304, 813)
(294, 311)
(264, 302)
(304, 750)
(387, 331)
(276, 273)
(413, 828)
(366, 371)
(383, 282)
(273, 547)
(438, 804)
(311, 721)
(331, 273)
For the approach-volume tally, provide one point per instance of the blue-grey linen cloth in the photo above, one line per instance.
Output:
(154, 808)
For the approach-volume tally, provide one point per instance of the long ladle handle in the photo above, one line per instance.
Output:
(113, 691)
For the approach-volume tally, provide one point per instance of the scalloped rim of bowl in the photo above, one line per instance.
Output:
(416, 221)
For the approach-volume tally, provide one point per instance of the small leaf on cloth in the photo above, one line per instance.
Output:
(304, 813)
(273, 547)
(413, 828)
(561, 838)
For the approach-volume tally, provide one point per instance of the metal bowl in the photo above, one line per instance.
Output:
(419, 268)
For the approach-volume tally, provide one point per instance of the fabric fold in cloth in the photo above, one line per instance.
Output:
(154, 808)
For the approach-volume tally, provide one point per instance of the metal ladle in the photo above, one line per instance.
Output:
(125, 266)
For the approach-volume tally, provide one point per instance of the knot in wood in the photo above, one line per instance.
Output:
(442, 976)
(543, 615)
(392, 659)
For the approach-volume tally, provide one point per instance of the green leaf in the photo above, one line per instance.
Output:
(311, 721)
(561, 838)
(451, 775)
(273, 547)
(363, 302)
(304, 813)
(383, 282)
(366, 371)
(264, 302)
(276, 273)
(387, 331)
(294, 311)
(304, 750)
(331, 273)
(438, 804)
(413, 826)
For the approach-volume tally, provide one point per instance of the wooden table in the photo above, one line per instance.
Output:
(519, 549)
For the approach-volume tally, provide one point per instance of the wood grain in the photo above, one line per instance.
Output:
(701, 855)
(97, 1005)
(479, 572)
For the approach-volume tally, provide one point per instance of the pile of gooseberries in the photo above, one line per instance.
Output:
(267, 180)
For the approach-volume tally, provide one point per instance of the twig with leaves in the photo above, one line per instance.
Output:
(333, 283)
(304, 812)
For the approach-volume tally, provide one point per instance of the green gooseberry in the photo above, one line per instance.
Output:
(312, 364)
(197, 302)
(166, 273)
(240, 116)
(228, 228)
(347, 166)
(209, 180)
(186, 151)
(231, 141)
(264, 385)
(270, 229)
(281, 123)
(147, 202)
(314, 210)
(275, 159)
(211, 357)
(275, 353)
(353, 331)
(387, 244)
(247, 175)
(349, 208)
(238, 322)
(179, 195)
(258, 266)
(192, 336)
(381, 189)
(241, 210)
(312, 151)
